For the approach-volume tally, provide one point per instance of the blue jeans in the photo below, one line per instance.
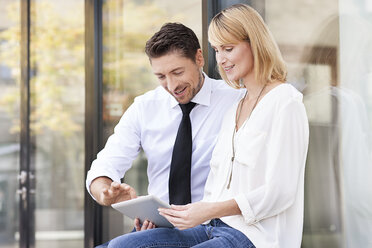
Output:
(215, 234)
(105, 245)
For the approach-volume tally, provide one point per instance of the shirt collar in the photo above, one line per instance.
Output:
(203, 97)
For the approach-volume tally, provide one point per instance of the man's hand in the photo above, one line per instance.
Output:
(146, 225)
(107, 192)
(117, 193)
(189, 215)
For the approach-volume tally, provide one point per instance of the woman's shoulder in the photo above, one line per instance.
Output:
(285, 92)
(279, 96)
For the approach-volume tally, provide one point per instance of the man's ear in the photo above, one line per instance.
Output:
(199, 58)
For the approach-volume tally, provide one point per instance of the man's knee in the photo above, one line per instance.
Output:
(123, 241)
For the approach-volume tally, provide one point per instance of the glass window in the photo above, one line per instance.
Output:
(9, 120)
(354, 96)
(127, 25)
(57, 121)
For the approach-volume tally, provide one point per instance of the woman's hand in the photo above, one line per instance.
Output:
(187, 216)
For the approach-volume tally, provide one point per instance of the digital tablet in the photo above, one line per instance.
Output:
(144, 208)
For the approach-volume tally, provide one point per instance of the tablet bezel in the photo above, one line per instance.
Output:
(144, 208)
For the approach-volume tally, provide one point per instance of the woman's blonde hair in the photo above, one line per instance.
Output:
(239, 23)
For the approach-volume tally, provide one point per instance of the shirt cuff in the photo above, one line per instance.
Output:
(93, 174)
(246, 209)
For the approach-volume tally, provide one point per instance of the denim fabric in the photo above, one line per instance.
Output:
(105, 245)
(216, 234)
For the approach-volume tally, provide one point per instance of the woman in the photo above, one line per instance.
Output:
(255, 190)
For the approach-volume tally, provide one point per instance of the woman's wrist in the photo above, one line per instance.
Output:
(225, 208)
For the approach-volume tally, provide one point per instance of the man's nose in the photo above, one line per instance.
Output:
(171, 84)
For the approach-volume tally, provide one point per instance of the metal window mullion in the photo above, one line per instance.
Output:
(26, 210)
(93, 225)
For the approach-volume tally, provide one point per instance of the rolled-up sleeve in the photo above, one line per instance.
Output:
(285, 163)
(121, 148)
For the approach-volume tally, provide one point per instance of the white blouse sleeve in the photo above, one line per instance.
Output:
(287, 149)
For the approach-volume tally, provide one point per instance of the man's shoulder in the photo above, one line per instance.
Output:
(155, 95)
(220, 88)
(219, 84)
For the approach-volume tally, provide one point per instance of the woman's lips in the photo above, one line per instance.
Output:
(228, 68)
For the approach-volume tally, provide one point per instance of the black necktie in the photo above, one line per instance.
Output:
(179, 176)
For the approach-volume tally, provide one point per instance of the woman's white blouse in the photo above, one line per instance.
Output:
(268, 170)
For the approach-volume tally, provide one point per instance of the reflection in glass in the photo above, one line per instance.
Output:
(57, 121)
(9, 121)
(127, 25)
(328, 47)
(356, 120)
(323, 211)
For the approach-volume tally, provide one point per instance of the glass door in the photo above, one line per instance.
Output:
(42, 123)
(57, 122)
(9, 122)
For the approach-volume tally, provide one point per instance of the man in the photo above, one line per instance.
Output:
(178, 155)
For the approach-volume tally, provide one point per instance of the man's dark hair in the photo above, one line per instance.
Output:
(173, 37)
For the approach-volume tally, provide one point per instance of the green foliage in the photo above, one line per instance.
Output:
(57, 66)
(58, 62)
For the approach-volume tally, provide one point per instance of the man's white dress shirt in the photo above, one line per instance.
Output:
(152, 122)
(268, 170)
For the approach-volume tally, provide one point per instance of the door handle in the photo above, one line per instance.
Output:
(22, 177)
(22, 192)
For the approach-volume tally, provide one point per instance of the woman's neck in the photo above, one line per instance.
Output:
(253, 87)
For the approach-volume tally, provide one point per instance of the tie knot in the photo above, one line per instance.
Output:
(186, 108)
